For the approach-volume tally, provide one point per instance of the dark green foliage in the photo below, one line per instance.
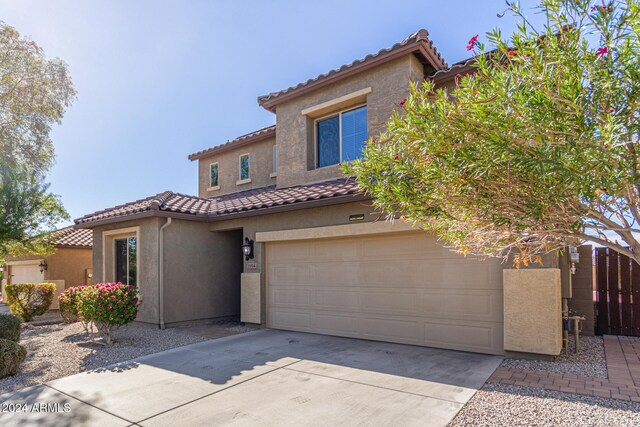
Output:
(12, 355)
(10, 327)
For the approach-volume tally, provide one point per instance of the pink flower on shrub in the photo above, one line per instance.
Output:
(602, 51)
(473, 42)
(402, 102)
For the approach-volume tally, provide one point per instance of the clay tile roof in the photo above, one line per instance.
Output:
(165, 201)
(417, 40)
(263, 198)
(211, 209)
(70, 236)
(259, 135)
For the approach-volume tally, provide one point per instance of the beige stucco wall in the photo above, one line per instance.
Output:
(532, 310)
(389, 83)
(147, 263)
(70, 265)
(201, 269)
(260, 169)
(201, 272)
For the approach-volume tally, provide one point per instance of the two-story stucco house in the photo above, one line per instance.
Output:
(320, 259)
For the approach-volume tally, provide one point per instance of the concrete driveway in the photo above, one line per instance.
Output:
(266, 377)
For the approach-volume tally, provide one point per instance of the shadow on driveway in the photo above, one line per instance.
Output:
(270, 377)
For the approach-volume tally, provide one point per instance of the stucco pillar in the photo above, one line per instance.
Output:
(533, 310)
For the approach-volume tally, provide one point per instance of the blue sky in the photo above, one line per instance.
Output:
(158, 80)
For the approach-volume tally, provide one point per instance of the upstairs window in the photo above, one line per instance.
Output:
(341, 137)
(213, 175)
(244, 167)
(275, 159)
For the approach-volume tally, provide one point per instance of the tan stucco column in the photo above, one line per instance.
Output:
(532, 310)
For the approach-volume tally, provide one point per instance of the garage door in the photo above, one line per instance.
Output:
(26, 273)
(402, 288)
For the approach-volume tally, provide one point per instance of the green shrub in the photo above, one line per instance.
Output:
(68, 303)
(12, 355)
(10, 327)
(107, 305)
(29, 300)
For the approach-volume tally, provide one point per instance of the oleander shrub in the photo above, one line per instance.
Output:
(107, 306)
(68, 303)
(10, 326)
(12, 355)
(29, 300)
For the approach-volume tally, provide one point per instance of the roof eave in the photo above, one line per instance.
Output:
(417, 47)
(232, 146)
(327, 201)
(142, 215)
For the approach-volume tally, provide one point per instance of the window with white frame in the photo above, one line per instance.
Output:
(340, 137)
(213, 175)
(244, 167)
(275, 159)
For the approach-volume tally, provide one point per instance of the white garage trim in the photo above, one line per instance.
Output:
(361, 229)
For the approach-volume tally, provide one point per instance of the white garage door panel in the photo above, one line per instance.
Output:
(402, 288)
(26, 273)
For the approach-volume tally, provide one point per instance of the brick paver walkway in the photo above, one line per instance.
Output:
(623, 369)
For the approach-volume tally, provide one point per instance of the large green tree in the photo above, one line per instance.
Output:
(535, 149)
(34, 93)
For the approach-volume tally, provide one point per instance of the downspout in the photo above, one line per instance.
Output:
(161, 274)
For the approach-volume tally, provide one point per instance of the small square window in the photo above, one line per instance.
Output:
(341, 137)
(213, 175)
(244, 167)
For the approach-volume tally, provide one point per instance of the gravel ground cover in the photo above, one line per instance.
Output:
(590, 361)
(58, 350)
(501, 405)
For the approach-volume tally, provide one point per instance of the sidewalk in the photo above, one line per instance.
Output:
(623, 370)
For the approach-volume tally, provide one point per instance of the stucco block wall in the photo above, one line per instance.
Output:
(532, 310)
(147, 263)
(201, 272)
(70, 265)
(260, 169)
(389, 83)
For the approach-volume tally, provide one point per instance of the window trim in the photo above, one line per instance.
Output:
(246, 180)
(329, 116)
(217, 186)
(115, 255)
(109, 237)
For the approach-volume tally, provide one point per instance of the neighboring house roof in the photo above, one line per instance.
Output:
(418, 43)
(70, 237)
(250, 138)
(250, 202)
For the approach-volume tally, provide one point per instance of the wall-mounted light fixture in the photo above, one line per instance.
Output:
(43, 266)
(1, 268)
(575, 258)
(247, 249)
